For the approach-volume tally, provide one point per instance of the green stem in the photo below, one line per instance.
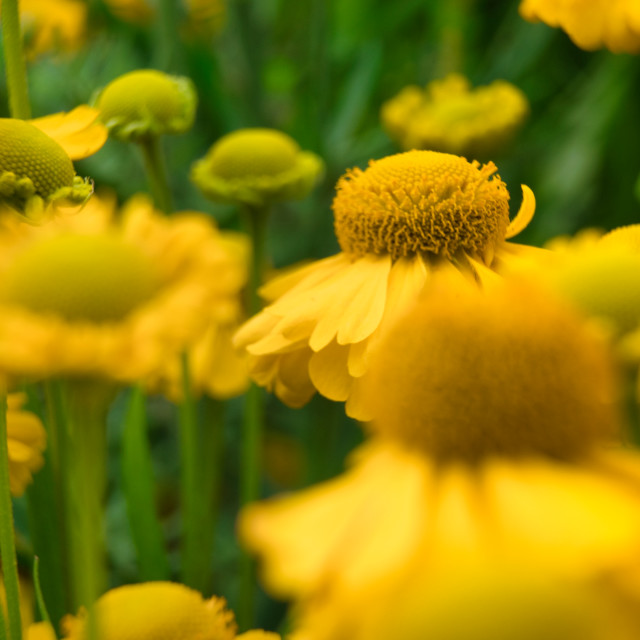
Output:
(137, 474)
(156, 172)
(3, 626)
(453, 21)
(252, 426)
(85, 411)
(7, 542)
(15, 66)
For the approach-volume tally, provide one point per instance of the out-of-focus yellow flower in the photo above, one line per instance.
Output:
(495, 416)
(147, 102)
(449, 116)
(156, 611)
(37, 177)
(256, 167)
(27, 440)
(215, 366)
(398, 222)
(40, 631)
(106, 296)
(159, 611)
(591, 24)
(53, 25)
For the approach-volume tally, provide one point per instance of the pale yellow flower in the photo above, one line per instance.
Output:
(256, 167)
(448, 115)
(103, 295)
(398, 222)
(591, 24)
(496, 415)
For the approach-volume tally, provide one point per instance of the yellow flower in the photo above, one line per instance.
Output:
(53, 25)
(495, 417)
(591, 24)
(27, 440)
(100, 295)
(256, 167)
(399, 221)
(156, 611)
(449, 116)
(215, 366)
(36, 174)
(146, 102)
(41, 631)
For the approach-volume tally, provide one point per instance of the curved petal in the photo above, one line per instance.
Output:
(524, 215)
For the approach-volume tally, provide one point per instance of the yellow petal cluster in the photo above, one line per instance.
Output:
(398, 222)
(591, 24)
(448, 115)
(256, 167)
(107, 295)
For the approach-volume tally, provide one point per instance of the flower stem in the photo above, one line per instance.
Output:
(137, 474)
(156, 172)
(15, 66)
(7, 542)
(252, 427)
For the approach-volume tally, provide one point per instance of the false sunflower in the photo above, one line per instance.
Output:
(496, 418)
(159, 611)
(591, 24)
(102, 295)
(448, 115)
(398, 222)
(37, 177)
(256, 168)
(27, 440)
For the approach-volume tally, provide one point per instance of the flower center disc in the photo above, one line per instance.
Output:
(251, 153)
(81, 278)
(514, 374)
(28, 152)
(421, 202)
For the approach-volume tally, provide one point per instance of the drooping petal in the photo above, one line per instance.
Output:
(329, 372)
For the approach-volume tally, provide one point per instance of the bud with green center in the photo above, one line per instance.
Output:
(256, 167)
(147, 103)
(36, 174)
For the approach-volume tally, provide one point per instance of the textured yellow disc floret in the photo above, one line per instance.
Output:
(29, 153)
(147, 102)
(253, 152)
(421, 202)
(157, 611)
(508, 373)
(93, 278)
(256, 167)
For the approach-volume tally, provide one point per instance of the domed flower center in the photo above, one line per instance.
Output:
(421, 202)
(81, 278)
(29, 153)
(250, 153)
(512, 373)
(140, 96)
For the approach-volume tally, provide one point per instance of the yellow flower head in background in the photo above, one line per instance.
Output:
(36, 173)
(448, 115)
(256, 167)
(106, 296)
(399, 221)
(495, 423)
(215, 366)
(591, 24)
(27, 440)
(147, 103)
(53, 25)
(156, 611)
